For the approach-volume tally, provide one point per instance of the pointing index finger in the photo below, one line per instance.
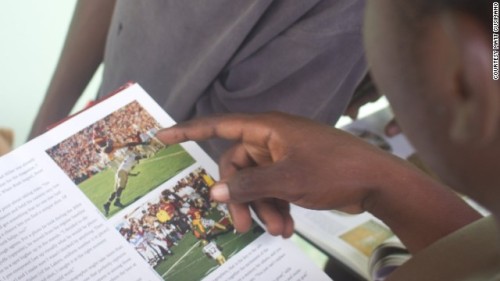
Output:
(227, 127)
(230, 127)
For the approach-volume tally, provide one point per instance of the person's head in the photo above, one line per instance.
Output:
(433, 60)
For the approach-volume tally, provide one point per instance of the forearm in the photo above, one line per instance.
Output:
(418, 209)
(81, 55)
(322, 168)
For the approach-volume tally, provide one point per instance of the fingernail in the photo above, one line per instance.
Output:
(220, 192)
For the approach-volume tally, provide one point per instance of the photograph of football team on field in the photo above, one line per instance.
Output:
(181, 233)
(118, 159)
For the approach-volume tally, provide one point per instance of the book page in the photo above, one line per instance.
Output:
(100, 198)
(50, 233)
(349, 238)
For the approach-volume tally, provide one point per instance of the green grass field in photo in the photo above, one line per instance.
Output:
(188, 262)
(153, 171)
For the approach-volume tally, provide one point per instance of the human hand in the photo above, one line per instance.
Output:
(280, 159)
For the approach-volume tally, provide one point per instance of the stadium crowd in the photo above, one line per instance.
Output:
(95, 147)
(157, 226)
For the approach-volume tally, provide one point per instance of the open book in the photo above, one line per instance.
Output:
(98, 197)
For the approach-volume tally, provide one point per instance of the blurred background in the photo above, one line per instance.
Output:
(32, 35)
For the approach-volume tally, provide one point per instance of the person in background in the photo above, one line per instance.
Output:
(6, 140)
(432, 59)
(199, 58)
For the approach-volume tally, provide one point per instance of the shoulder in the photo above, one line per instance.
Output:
(471, 253)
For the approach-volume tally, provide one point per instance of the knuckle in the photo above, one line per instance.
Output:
(242, 187)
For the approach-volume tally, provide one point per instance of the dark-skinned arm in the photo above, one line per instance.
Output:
(280, 159)
(82, 54)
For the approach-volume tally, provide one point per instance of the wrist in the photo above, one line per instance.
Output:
(418, 209)
(392, 181)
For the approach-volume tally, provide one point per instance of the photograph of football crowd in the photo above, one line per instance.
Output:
(118, 159)
(181, 233)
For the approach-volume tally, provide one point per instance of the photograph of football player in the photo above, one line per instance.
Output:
(103, 158)
(213, 251)
(121, 178)
(169, 229)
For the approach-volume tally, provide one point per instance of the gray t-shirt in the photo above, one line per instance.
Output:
(196, 58)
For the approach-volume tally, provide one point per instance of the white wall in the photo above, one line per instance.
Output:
(32, 34)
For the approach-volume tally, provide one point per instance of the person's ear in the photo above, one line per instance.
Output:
(476, 112)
